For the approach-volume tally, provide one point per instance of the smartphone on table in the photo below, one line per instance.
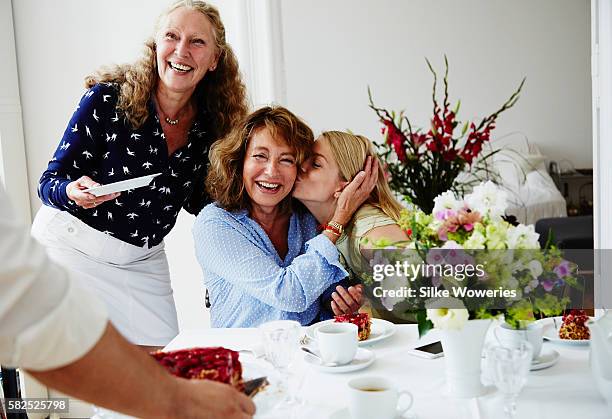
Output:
(428, 350)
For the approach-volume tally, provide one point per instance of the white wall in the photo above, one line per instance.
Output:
(334, 49)
(60, 42)
(12, 153)
(602, 148)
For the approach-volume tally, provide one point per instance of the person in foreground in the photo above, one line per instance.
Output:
(158, 115)
(261, 259)
(337, 158)
(61, 335)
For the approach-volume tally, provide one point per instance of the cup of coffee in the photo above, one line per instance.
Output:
(512, 338)
(337, 342)
(376, 397)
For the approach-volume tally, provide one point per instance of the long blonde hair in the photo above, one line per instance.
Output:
(220, 93)
(350, 152)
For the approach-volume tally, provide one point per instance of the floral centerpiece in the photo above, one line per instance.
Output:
(463, 265)
(423, 163)
(473, 232)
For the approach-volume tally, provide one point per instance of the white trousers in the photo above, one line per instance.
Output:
(134, 282)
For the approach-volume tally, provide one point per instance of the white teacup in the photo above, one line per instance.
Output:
(337, 342)
(509, 337)
(376, 397)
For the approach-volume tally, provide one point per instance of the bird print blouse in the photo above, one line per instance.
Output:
(100, 143)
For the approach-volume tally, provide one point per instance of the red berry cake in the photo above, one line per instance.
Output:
(217, 364)
(574, 327)
(362, 320)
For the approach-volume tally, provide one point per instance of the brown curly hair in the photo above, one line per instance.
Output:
(224, 181)
(221, 92)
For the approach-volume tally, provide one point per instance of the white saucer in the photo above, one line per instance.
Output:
(547, 358)
(379, 330)
(363, 359)
(345, 414)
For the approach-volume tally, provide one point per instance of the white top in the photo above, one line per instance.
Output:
(46, 321)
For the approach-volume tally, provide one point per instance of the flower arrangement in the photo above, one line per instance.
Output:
(510, 274)
(423, 163)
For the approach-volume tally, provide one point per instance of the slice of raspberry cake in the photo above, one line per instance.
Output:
(362, 320)
(574, 326)
(217, 364)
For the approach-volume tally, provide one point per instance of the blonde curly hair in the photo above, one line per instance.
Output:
(221, 92)
(224, 181)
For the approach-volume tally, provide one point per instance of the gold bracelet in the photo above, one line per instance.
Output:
(336, 226)
(332, 230)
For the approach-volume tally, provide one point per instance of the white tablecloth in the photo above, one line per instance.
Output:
(565, 390)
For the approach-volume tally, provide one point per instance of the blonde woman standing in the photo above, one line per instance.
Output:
(157, 115)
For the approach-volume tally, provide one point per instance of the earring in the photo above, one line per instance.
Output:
(336, 195)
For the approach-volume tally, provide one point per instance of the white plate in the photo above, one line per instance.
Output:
(379, 330)
(547, 358)
(123, 185)
(551, 327)
(363, 359)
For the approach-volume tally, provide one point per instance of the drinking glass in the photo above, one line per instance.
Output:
(509, 369)
(281, 341)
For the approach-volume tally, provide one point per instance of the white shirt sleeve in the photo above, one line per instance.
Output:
(46, 320)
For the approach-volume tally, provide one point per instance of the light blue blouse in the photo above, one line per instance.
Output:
(248, 282)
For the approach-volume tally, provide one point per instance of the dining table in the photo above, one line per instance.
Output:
(564, 390)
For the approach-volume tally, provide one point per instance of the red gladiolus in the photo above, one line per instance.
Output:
(450, 155)
(395, 138)
(449, 123)
(425, 162)
(418, 139)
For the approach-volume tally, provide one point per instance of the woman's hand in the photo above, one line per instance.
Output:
(76, 193)
(356, 192)
(347, 301)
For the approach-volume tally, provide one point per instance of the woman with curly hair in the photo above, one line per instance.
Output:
(157, 115)
(263, 259)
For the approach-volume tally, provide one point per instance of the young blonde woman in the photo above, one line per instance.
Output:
(337, 157)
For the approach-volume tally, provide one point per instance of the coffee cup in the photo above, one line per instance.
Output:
(337, 342)
(376, 397)
(507, 336)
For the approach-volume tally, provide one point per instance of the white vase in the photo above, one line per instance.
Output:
(462, 356)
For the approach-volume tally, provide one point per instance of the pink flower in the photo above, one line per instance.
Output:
(562, 270)
(548, 285)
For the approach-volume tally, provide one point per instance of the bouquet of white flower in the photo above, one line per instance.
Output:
(464, 260)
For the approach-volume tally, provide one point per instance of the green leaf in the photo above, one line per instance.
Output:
(424, 324)
(456, 110)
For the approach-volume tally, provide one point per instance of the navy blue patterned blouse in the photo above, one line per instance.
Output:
(100, 143)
